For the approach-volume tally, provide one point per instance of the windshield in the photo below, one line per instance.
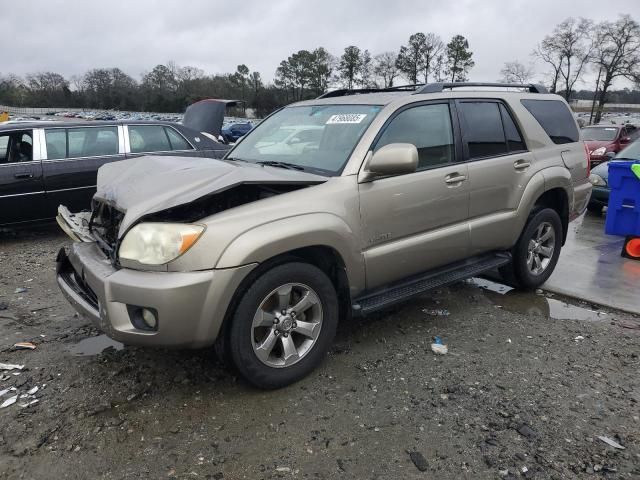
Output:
(316, 138)
(602, 134)
(632, 152)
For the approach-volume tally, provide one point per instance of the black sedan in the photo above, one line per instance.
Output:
(45, 164)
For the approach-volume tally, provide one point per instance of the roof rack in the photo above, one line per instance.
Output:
(360, 91)
(439, 87)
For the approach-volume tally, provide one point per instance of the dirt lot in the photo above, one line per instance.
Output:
(525, 391)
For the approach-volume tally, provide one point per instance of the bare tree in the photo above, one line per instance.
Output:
(516, 72)
(548, 53)
(385, 68)
(568, 49)
(617, 54)
(433, 47)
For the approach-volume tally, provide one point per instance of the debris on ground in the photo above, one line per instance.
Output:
(578, 338)
(438, 347)
(437, 312)
(419, 461)
(20, 290)
(9, 401)
(24, 346)
(610, 442)
(10, 366)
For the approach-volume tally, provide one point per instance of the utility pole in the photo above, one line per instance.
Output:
(595, 95)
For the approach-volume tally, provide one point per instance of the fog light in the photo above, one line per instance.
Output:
(149, 318)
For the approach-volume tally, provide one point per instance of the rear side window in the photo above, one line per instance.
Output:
(555, 118)
(176, 140)
(81, 142)
(92, 142)
(482, 129)
(148, 138)
(428, 127)
(56, 143)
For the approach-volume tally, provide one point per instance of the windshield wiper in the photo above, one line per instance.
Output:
(273, 163)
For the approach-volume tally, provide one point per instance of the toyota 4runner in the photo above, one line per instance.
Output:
(332, 207)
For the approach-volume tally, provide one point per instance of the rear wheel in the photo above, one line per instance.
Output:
(283, 325)
(536, 254)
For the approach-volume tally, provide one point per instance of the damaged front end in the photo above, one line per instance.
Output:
(184, 192)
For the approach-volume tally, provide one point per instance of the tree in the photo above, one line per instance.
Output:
(411, 57)
(617, 54)
(433, 47)
(516, 72)
(350, 66)
(322, 65)
(459, 60)
(48, 89)
(366, 71)
(568, 50)
(385, 68)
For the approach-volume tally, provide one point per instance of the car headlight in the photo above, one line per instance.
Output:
(159, 243)
(597, 180)
(598, 152)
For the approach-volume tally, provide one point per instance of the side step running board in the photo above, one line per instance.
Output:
(397, 292)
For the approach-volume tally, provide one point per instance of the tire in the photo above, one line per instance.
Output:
(594, 208)
(525, 271)
(264, 333)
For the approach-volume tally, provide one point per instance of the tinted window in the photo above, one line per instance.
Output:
(555, 118)
(4, 147)
(56, 143)
(92, 142)
(428, 127)
(514, 140)
(148, 138)
(482, 129)
(176, 140)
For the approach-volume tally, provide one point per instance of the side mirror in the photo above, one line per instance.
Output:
(393, 159)
(611, 155)
(625, 139)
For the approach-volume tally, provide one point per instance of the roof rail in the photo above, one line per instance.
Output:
(439, 87)
(360, 91)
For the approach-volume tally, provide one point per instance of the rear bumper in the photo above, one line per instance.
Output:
(599, 196)
(190, 306)
(581, 196)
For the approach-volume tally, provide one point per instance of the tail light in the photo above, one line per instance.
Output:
(588, 154)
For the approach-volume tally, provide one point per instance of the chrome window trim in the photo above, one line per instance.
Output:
(72, 159)
(70, 189)
(22, 194)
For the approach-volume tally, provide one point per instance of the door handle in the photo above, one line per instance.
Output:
(23, 175)
(454, 179)
(521, 165)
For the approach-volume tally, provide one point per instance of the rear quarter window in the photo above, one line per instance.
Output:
(555, 118)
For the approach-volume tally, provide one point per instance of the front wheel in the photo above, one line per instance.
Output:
(284, 325)
(536, 254)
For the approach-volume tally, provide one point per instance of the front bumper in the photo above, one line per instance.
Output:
(190, 306)
(600, 196)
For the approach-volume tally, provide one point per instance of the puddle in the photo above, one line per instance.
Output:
(528, 303)
(94, 346)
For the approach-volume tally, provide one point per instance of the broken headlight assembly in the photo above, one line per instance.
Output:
(159, 243)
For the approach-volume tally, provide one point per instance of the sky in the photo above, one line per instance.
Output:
(73, 36)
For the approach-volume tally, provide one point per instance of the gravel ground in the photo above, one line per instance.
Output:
(520, 394)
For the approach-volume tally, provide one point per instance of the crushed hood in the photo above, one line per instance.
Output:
(144, 185)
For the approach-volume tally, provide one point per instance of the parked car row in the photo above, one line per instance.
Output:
(44, 164)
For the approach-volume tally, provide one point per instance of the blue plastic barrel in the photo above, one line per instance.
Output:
(623, 214)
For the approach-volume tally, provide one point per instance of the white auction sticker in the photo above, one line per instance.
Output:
(346, 118)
